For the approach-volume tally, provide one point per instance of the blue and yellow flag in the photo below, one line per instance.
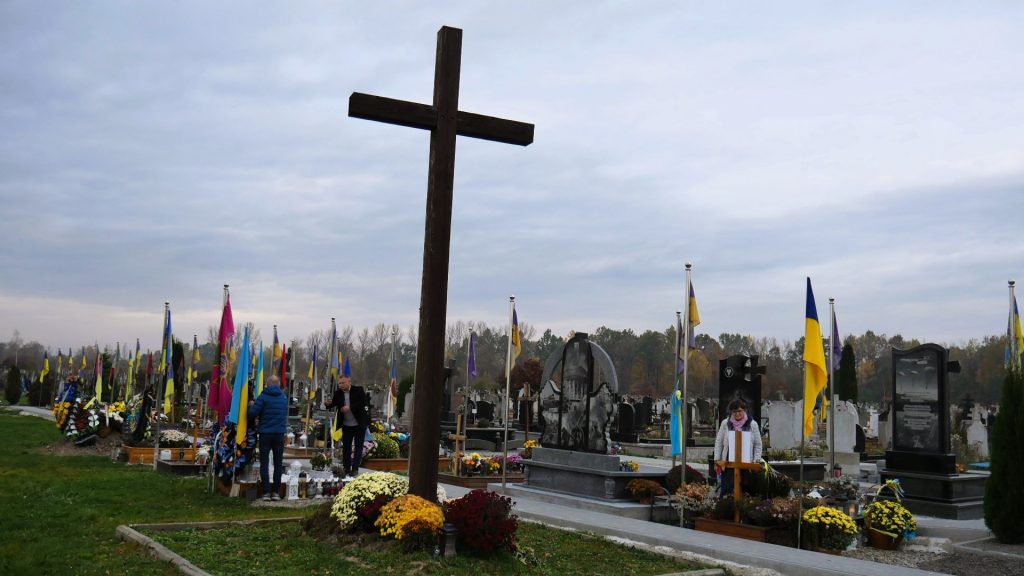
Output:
(99, 374)
(815, 373)
(676, 426)
(259, 372)
(46, 367)
(517, 342)
(168, 364)
(238, 414)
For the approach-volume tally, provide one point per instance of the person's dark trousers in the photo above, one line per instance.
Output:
(352, 458)
(271, 443)
(726, 489)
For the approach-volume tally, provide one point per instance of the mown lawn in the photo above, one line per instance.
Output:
(283, 548)
(58, 515)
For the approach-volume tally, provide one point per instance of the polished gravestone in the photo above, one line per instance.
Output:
(921, 457)
(739, 377)
(577, 399)
(578, 408)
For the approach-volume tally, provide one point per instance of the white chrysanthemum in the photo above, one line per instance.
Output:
(365, 488)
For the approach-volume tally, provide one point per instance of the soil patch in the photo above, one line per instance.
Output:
(322, 526)
(65, 447)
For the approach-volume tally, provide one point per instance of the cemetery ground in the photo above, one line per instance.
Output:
(60, 513)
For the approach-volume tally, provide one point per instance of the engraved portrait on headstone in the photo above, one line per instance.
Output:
(577, 399)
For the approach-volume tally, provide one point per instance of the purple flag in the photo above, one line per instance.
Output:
(472, 355)
(837, 349)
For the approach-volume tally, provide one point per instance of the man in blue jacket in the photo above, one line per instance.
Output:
(271, 408)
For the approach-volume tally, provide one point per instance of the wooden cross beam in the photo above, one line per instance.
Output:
(444, 120)
(737, 465)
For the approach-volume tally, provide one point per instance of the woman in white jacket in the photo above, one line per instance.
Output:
(738, 420)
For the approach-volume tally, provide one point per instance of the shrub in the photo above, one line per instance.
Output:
(695, 498)
(1004, 500)
(360, 501)
(484, 520)
(12, 389)
(412, 520)
(642, 488)
(672, 482)
(386, 446)
(365, 490)
(828, 527)
(890, 517)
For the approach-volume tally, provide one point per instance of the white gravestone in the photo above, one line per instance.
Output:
(977, 434)
(783, 424)
(871, 430)
(845, 427)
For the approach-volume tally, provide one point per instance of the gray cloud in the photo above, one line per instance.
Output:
(152, 153)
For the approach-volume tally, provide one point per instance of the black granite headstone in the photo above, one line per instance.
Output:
(921, 435)
(577, 398)
(484, 411)
(625, 417)
(739, 376)
(644, 413)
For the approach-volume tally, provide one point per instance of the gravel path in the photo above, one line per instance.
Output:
(986, 557)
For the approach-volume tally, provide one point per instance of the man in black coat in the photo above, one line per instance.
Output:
(354, 416)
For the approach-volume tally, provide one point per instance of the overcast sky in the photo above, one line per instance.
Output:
(154, 151)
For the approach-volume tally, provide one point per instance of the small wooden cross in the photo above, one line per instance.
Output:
(444, 120)
(737, 465)
(460, 444)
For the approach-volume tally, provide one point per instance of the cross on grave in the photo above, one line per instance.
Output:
(459, 438)
(737, 464)
(444, 120)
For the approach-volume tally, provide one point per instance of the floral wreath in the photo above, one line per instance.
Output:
(83, 423)
(230, 458)
(137, 419)
(62, 408)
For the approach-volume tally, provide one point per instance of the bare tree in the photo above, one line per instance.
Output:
(317, 339)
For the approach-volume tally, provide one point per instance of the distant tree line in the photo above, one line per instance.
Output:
(643, 361)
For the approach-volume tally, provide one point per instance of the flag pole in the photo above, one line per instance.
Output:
(686, 368)
(465, 395)
(675, 366)
(832, 387)
(393, 398)
(800, 519)
(160, 388)
(508, 387)
(1011, 328)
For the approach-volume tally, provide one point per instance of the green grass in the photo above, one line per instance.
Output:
(282, 548)
(59, 514)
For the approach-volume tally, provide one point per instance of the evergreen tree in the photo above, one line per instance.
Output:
(1004, 500)
(12, 390)
(846, 378)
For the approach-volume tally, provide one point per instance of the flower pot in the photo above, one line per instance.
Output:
(319, 443)
(882, 541)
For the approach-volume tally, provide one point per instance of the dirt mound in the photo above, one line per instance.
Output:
(65, 447)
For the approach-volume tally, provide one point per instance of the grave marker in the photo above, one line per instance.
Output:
(445, 121)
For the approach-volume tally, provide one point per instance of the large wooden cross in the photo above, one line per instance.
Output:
(445, 121)
(737, 465)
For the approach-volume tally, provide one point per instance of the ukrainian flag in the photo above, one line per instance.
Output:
(815, 373)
